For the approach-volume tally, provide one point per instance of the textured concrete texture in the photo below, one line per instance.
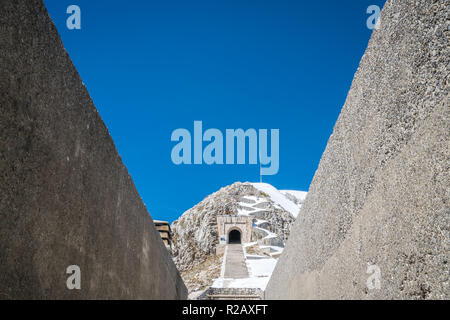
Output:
(65, 196)
(381, 193)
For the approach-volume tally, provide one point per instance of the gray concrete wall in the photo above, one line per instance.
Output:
(66, 198)
(381, 193)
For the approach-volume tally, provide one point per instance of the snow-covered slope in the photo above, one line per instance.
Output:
(299, 196)
(283, 198)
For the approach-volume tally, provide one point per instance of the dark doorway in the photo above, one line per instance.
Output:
(234, 236)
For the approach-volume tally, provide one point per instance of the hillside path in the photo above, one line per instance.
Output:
(235, 267)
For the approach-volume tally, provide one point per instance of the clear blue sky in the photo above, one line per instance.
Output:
(154, 66)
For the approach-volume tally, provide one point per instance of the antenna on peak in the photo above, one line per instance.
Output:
(260, 175)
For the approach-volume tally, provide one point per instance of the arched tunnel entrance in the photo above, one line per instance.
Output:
(234, 236)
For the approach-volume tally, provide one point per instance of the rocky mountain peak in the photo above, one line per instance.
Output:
(195, 233)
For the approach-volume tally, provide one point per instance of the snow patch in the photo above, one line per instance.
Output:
(278, 197)
(300, 195)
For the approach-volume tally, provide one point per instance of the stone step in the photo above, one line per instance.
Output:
(235, 266)
(231, 294)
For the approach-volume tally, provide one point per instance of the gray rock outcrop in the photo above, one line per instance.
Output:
(66, 198)
(379, 201)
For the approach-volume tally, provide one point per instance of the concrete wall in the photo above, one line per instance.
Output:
(381, 193)
(65, 196)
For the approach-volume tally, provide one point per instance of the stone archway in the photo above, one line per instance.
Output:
(234, 236)
(228, 223)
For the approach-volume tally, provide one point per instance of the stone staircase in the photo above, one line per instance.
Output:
(231, 294)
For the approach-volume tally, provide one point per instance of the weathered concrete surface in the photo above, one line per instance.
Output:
(381, 192)
(65, 196)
